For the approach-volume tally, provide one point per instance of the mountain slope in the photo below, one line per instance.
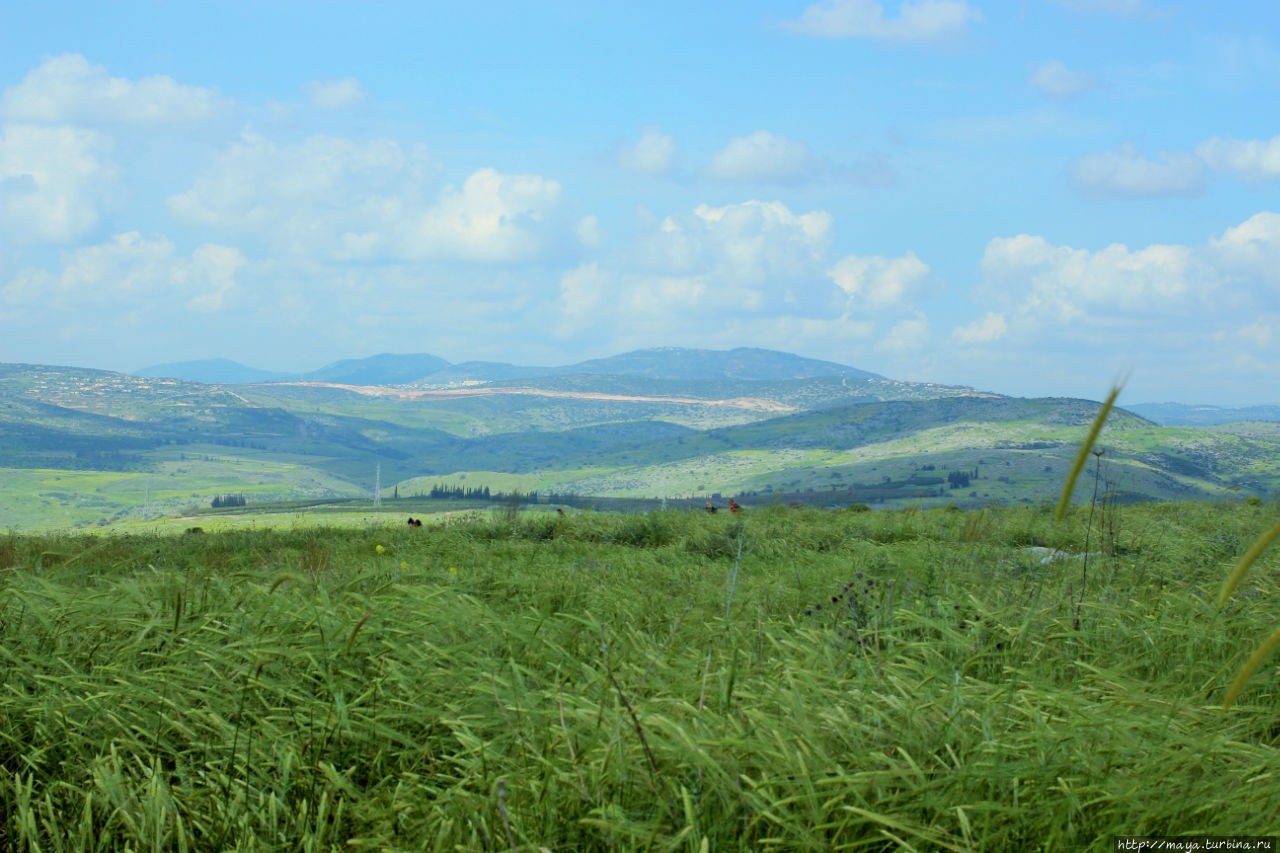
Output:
(633, 435)
(740, 363)
(214, 371)
(384, 369)
(674, 363)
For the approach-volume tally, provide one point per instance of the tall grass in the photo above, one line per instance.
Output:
(1082, 455)
(882, 681)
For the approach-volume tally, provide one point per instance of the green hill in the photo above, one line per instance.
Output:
(159, 445)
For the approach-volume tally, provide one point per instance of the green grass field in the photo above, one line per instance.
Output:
(179, 479)
(781, 679)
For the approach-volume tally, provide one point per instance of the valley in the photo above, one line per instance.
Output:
(94, 448)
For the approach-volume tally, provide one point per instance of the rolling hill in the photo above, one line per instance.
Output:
(88, 446)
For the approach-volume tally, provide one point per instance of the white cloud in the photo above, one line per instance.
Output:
(315, 198)
(1054, 80)
(1060, 283)
(493, 218)
(920, 21)
(67, 89)
(752, 242)
(343, 199)
(653, 154)
(1041, 286)
(1253, 159)
(878, 283)
(763, 157)
(53, 182)
(702, 270)
(1180, 317)
(333, 94)
(988, 328)
(754, 271)
(906, 335)
(1249, 253)
(1125, 173)
(581, 289)
(133, 274)
(589, 232)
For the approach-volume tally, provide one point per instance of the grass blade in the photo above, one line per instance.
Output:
(1089, 440)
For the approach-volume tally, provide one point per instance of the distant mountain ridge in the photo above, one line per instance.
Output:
(384, 369)
(1181, 414)
(739, 363)
(832, 438)
(213, 371)
(423, 369)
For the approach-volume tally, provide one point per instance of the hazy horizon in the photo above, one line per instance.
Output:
(1034, 199)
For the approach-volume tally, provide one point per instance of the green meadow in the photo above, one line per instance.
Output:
(779, 679)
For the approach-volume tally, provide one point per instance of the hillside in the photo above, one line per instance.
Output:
(213, 371)
(1179, 414)
(91, 446)
(785, 680)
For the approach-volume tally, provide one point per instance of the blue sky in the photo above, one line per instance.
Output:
(1034, 197)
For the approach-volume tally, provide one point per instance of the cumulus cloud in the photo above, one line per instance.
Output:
(1248, 254)
(919, 21)
(906, 335)
(132, 273)
(1179, 316)
(751, 242)
(653, 154)
(312, 197)
(1037, 286)
(755, 270)
(581, 289)
(68, 89)
(1126, 173)
(763, 157)
(877, 283)
(1054, 80)
(333, 94)
(702, 269)
(493, 217)
(1063, 283)
(53, 182)
(343, 199)
(988, 328)
(1255, 159)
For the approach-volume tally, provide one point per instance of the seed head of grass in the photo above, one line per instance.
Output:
(1250, 666)
(1246, 561)
(1083, 455)
(1255, 660)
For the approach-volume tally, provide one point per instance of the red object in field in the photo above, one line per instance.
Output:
(733, 506)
